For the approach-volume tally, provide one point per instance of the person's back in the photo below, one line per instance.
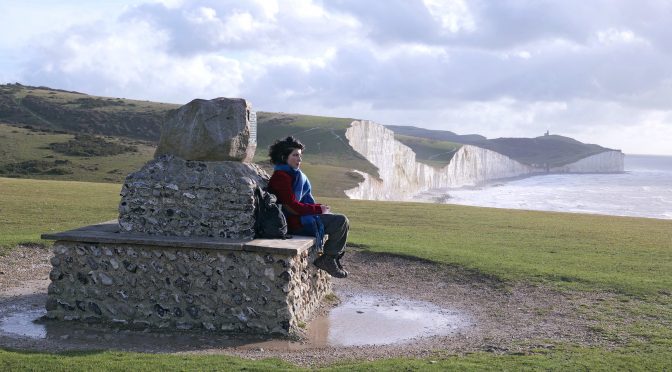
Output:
(304, 216)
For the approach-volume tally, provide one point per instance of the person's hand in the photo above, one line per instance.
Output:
(326, 209)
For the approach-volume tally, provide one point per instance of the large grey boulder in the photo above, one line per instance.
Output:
(221, 129)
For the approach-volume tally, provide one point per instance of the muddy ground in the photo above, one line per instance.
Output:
(502, 317)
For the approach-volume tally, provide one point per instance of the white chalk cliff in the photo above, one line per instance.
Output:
(400, 176)
(604, 162)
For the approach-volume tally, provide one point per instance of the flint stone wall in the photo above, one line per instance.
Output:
(171, 196)
(149, 286)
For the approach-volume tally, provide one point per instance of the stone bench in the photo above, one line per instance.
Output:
(259, 286)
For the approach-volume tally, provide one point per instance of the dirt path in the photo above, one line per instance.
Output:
(504, 318)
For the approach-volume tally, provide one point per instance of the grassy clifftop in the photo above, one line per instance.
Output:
(50, 118)
(549, 150)
(434, 152)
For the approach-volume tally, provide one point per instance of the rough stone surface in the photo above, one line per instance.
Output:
(221, 129)
(161, 287)
(174, 197)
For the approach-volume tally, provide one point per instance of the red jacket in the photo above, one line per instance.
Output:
(280, 184)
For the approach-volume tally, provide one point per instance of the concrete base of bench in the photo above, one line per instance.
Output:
(262, 286)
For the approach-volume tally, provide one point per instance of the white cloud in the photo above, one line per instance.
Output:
(453, 15)
(500, 68)
(524, 54)
(612, 35)
(131, 61)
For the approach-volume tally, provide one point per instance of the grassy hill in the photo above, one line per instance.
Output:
(33, 153)
(58, 111)
(438, 135)
(552, 150)
(73, 112)
(436, 153)
(324, 138)
(42, 135)
(39, 154)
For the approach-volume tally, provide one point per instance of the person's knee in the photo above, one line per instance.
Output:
(343, 221)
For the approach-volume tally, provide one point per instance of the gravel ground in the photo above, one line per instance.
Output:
(505, 318)
(24, 269)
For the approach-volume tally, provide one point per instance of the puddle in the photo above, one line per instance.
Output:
(377, 320)
(22, 324)
(360, 319)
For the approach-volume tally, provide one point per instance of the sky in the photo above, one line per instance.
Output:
(599, 71)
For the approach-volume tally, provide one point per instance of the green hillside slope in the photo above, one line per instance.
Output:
(26, 153)
(50, 118)
(41, 137)
(437, 135)
(436, 153)
(73, 112)
(324, 139)
(550, 150)
(541, 151)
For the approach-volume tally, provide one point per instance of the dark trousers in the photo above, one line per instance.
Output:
(337, 227)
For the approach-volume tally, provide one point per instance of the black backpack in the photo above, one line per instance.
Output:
(270, 222)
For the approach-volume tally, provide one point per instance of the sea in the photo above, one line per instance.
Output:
(643, 190)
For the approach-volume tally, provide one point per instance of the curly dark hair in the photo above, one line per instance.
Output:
(280, 149)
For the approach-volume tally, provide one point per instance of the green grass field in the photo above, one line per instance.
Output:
(19, 145)
(431, 152)
(631, 257)
(29, 208)
(570, 359)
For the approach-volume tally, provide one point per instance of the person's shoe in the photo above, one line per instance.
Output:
(328, 264)
(338, 263)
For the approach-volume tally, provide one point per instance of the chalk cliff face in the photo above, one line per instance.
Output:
(604, 162)
(401, 176)
(473, 165)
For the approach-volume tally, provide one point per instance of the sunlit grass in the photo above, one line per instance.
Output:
(118, 361)
(564, 359)
(29, 208)
(631, 256)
